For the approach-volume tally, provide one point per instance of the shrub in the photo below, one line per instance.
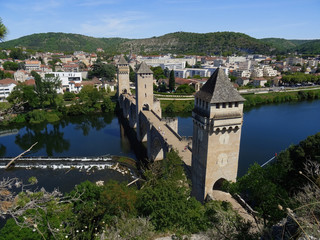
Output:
(69, 96)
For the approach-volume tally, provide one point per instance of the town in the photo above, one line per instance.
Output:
(246, 72)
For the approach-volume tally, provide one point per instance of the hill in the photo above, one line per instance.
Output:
(301, 46)
(218, 43)
(179, 42)
(65, 42)
(310, 47)
(198, 43)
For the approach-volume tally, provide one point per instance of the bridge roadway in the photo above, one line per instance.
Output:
(169, 137)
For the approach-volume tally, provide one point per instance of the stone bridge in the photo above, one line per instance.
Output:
(161, 134)
(217, 121)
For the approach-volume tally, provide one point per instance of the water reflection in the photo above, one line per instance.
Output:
(49, 137)
(3, 150)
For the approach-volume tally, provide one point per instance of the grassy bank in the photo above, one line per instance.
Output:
(280, 97)
(172, 106)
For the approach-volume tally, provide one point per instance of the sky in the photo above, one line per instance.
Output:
(289, 19)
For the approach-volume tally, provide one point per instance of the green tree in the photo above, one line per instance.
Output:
(166, 198)
(49, 86)
(198, 65)
(101, 70)
(158, 72)
(26, 95)
(90, 95)
(3, 30)
(10, 66)
(185, 89)
(132, 74)
(188, 65)
(264, 192)
(17, 53)
(172, 81)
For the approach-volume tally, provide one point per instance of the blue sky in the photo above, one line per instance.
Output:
(290, 19)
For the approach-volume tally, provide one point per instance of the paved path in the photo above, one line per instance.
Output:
(170, 137)
(224, 196)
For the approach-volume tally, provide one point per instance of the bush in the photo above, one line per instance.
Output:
(69, 96)
(52, 117)
(36, 116)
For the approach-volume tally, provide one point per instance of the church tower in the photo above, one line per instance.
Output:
(123, 76)
(217, 122)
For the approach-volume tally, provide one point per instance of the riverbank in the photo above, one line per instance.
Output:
(174, 106)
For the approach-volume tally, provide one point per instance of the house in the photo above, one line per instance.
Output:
(242, 81)
(32, 65)
(259, 82)
(68, 80)
(268, 71)
(6, 87)
(21, 75)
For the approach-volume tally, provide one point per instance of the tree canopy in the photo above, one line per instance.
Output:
(3, 30)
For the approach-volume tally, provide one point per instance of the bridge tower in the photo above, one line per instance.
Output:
(123, 76)
(217, 121)
(144, 95)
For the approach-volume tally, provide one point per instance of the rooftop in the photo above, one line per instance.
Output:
(218, 89)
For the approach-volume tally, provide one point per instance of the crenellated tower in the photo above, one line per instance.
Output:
(123, 76)
(217, 121)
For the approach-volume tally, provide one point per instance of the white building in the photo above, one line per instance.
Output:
(241, 73)
(6, 87)
(257, 73)
(268, 71)
(21, 76)
(236, 59)
(157, 61)
(294, 61)
(32, 65)
(69, 80)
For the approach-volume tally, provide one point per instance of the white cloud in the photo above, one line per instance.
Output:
(124, 25)
(93, 3)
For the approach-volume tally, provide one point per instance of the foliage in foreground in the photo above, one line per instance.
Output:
(115, 211)
(291, 182)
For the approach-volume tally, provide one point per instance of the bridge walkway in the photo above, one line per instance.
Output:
(170, 137)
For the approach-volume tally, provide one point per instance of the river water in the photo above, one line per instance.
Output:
(266, 130)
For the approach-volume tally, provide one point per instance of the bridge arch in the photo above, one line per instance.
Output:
(146, 107)
(218, 185)
(157, 152)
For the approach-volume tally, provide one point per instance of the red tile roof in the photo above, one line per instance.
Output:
(7, 81)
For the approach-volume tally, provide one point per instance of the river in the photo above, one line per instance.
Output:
(266, 130)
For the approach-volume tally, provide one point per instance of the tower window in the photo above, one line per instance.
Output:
(145, 86)
(145, 95)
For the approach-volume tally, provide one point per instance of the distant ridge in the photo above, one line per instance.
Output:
(217, 43)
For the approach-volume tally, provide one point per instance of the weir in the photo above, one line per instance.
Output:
(59, 162)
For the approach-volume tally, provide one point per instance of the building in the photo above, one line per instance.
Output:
(123, 76)
(21, 76)
(217, 121)
(257, 73)
(259, 82)
(242, 81)
(6, 87)
(68, 80)
(294, 61)
(32, 65)
(268, 71)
